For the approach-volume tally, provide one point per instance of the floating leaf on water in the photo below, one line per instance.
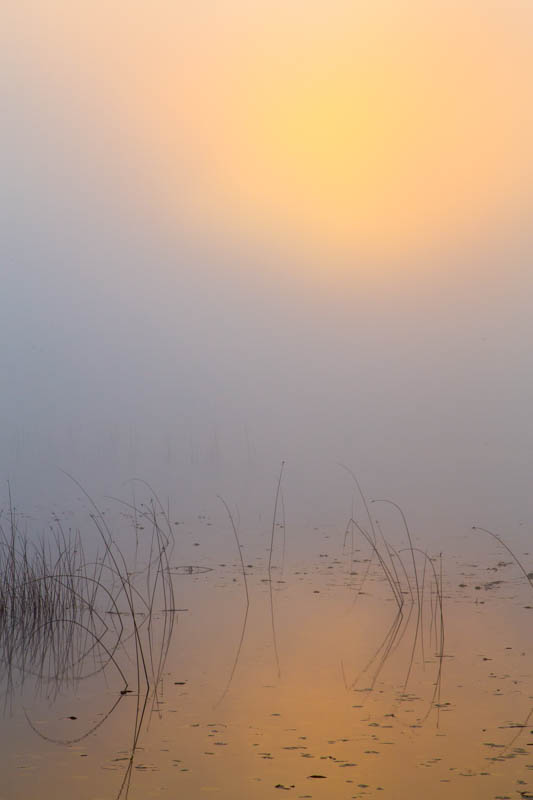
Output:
(190, 570)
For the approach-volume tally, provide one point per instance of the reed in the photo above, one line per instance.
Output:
(61, 617)
(416, 587)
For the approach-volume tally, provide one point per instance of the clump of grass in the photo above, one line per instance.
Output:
(418, 599)
(51, 627)
(62, 617)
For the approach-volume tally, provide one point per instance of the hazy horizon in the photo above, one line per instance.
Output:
(235, 236)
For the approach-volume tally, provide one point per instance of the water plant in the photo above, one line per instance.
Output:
(66, 617)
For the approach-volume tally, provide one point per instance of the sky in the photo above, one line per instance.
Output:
(238, 233)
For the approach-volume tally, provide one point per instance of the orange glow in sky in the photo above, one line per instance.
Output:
(375, 129)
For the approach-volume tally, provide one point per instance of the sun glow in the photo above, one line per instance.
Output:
(380, 148)
(351, 129)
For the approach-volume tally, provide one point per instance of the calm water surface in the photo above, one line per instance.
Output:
(364, 702)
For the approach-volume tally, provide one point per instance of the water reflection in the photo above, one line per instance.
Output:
(395, 662)
(66, 618)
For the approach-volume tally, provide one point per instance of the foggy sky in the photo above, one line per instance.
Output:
(199, 362)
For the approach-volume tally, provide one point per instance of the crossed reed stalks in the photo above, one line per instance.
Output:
(416, 583)
(65, 617)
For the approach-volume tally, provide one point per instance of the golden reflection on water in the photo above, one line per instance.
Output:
(337, 711)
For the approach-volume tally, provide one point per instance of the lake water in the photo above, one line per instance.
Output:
(322, 685)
